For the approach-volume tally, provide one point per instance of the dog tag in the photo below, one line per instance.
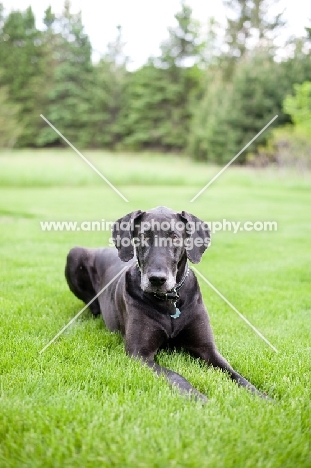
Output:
(177, 314)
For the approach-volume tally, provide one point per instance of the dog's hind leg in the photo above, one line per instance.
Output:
(80, 276)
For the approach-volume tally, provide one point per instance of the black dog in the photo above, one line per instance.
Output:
(156, 301)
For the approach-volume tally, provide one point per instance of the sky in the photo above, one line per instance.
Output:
(145, 22)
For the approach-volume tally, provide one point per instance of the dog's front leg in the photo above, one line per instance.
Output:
(214, 358)
(146, 349)
(176, 380)
(198, 340)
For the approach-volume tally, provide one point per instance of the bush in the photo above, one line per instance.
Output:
(299, 106)
(288, 146)
(10, 127)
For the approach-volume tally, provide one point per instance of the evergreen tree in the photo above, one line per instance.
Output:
(146, 114)
(209, 136)
(21, 63)
(108, 95)
(160, 94)
(256, 97)
(249, 24)
(68, 56)
(184, 46)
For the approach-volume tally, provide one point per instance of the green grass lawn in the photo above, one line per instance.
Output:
(83, 402)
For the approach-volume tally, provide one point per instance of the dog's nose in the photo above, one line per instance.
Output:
(157, 279)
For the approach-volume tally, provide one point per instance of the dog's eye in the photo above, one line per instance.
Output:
(174, 236)
(144, 236)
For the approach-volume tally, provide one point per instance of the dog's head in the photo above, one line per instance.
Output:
(162, 239)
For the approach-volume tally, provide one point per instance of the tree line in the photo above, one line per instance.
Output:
(208, 92)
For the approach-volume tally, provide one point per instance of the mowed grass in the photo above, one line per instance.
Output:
(83, 402)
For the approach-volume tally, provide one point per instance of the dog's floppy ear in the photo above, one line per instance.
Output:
(122, 232)
(198, 236)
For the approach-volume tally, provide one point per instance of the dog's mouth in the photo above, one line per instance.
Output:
(156, 290)
(160, 290)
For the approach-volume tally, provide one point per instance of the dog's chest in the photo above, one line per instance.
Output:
(175, 322)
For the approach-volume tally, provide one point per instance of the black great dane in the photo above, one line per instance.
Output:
(156, 301)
